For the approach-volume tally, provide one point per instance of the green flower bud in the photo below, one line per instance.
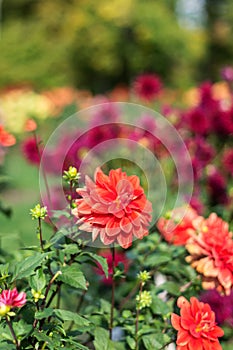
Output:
(143, 276)
(144, 299)
(38, 212)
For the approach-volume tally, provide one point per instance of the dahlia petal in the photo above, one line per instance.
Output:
(225, 277)
(125, 241)
(175, 321)
(84, 208)
(95, 233)
(100, 177)
(106, 239)
(182, 301)
(134, 180)
(112, 227)
(126, 225)
(194, 343)
(183, 338)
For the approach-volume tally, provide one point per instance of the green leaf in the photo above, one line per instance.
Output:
(131, 342)
(171, 287)
(27, 267)
(73, 276)
(101, 341)
(154, 260)
(66, 315)
(159, 307)
(39, 315)
(155, 341)
(99, 259)
(38, 281)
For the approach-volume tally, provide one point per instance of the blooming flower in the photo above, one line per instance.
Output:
(177, 226)
(10, 299)
(211, 253)
(31, 151)
(228, 160)
(30, 125)
(196, 326)
(38, 212)
(6, 139)
(147, 86)
(222, 305)
(113, 207)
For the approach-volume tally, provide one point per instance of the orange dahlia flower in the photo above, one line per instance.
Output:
(211, 254)
(6, 139)
(196, 326)
(178, 227)
(114, 208)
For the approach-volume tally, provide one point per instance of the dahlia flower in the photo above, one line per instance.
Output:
(196, 326)
(147, 86)
(211, 253)
(114, 208)
(10, 299)
(177, 227)
(6, 139)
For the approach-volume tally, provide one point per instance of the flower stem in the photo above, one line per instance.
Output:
(137, 318)
(16, 342)
(40, 234)
(113, 292)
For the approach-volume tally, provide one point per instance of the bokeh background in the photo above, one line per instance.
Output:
(96, 45)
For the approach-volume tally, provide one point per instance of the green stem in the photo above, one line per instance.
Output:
(16, 342)
(113, 292)
(137, 318)
(40, 234)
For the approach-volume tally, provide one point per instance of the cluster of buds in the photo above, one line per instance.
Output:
(144, 299)
(39, 212)
(71, 175)
(143, 276)
(37, 295)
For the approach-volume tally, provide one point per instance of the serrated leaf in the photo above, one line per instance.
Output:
(39, 315)
(99, 259)
(73, 276)
(66, 315)
(155, 341)
(27, 267)
(101, 341)
(159, 307)
(38, 281)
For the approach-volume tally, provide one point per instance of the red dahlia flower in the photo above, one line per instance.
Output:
(196, 326)
(10, 299)
(113, 207)
(211, 253)
(178, 226)
(147, 86)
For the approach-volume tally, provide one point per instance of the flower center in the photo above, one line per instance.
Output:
(4, 309)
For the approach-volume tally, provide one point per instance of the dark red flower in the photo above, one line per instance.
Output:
(31, 151)
(228, 160)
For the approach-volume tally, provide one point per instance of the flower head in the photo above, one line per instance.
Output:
(196, 326)
(147, 86)
(10, 299)
(144, 299)
(38, 212)
(71, 174)
(31, 151)
(6, 139)
(113, 207)
(177, 226)
(144, 276)
(211, 253)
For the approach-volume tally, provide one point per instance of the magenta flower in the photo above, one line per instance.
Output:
(147, 86)
(31, 151)
(10, 299)
(228, 161)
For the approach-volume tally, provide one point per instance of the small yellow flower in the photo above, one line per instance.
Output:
(4, 309)
(71, 174)
(38, 212)
(37, 295)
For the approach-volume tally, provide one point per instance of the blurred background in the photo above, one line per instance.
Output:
(95, 45)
